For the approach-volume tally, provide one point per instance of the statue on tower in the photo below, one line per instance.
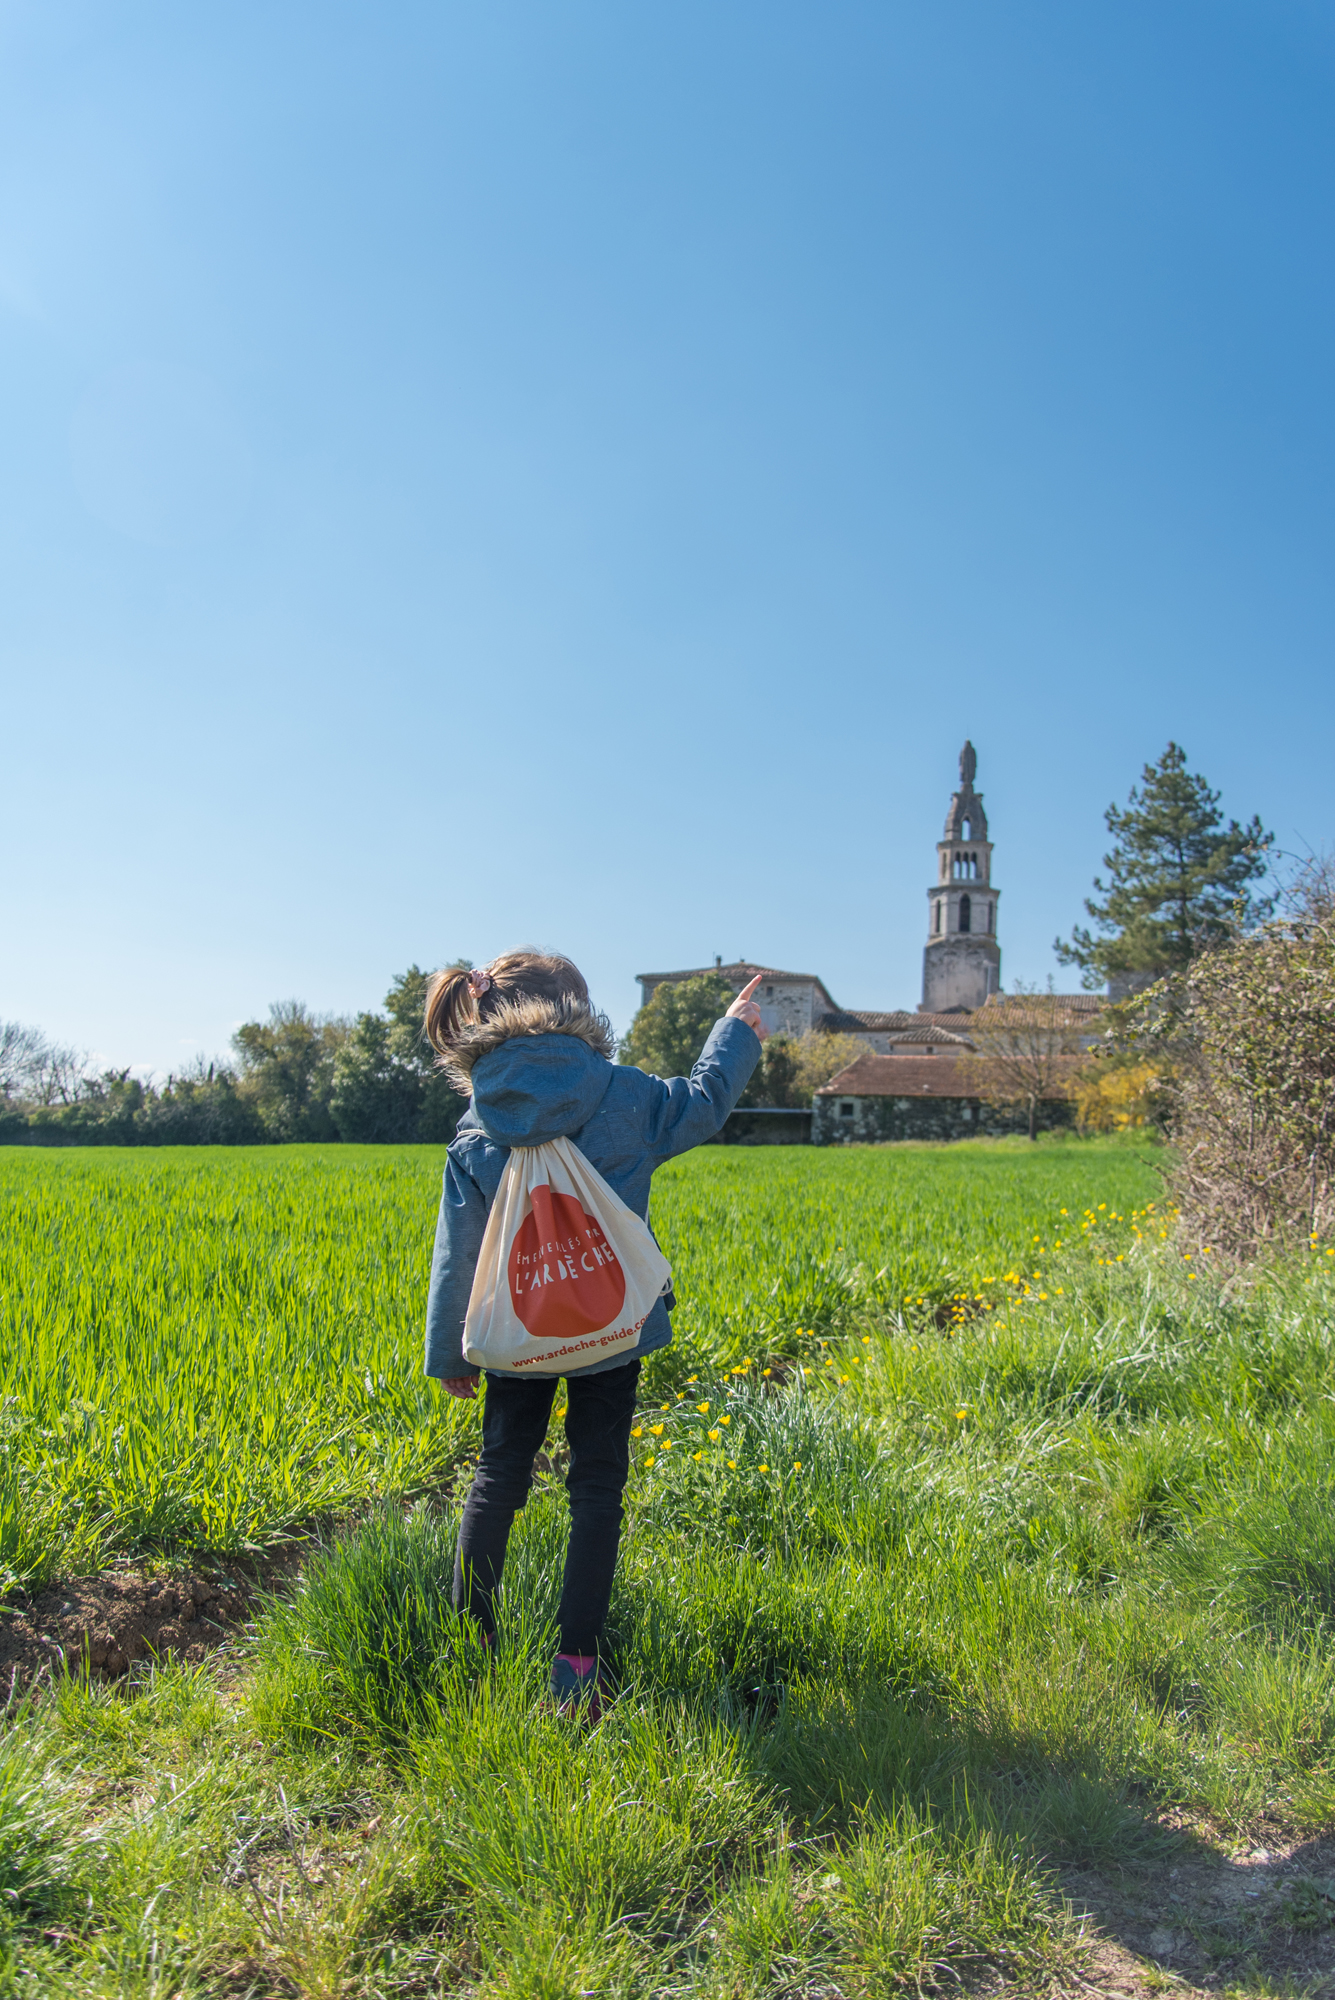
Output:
(968, 766)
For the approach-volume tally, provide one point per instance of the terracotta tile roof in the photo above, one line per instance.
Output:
(902, 1076)
(847, 1020)
(1074, 1003)
(905, 1027)
(897, 1076)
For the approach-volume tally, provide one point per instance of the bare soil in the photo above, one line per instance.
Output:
(1208, 1921)
(105, 1624)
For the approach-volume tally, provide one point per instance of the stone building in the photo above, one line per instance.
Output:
(797, 1003)
(881, 1098)
(791, 1003)
(961, 961)
(907, 1086)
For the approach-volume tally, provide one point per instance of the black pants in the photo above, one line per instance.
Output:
(514, 1424)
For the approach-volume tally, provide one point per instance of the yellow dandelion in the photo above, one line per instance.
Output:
(961, 1413)
(638, 1431)
(732, 1465)
(713, 1437)
(797, 1465)
(690, 1379)
(697, 1454)
(767, 1371)
(702, 1407)
(667, 1444)
(656, 1430)
(725, 1420)
(764, 1468)
(649, 1464)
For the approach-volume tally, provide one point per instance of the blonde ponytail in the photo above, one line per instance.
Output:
(459, 998)
(450, 1007)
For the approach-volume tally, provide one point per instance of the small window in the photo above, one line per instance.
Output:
(845, 1110)
(769, 992)
(936, 921)
(967, 1111)
(989, 920)
(966, 913)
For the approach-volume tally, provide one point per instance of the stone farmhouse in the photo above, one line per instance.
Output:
(908, 1085)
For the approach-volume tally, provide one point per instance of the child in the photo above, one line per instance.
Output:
(522, 1036)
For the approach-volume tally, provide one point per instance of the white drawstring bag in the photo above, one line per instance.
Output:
(567, 1274)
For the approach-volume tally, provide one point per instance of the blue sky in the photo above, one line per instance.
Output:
(575, 475)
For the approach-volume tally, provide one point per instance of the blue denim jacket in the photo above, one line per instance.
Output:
(551, 1086)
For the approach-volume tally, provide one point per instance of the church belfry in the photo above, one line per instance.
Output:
(961, 963)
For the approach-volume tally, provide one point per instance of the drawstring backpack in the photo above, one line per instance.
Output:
(567, 1274)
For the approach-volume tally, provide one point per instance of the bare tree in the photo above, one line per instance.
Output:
(59, 1074)
(1027, 1048)
(21, 1052)
(1307, 894)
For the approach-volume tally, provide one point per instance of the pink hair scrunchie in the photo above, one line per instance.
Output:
(479, 982)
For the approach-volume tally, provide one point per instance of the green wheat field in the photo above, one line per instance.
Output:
(979, 1531)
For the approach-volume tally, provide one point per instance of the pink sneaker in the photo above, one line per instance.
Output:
(580, 1686)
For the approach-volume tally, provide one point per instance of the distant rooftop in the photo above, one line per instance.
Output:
(908, 1027)
(898, 1076)
(903, 1076)
(738, 968)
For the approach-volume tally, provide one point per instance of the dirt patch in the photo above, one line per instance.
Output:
(106, 1624)
(1205, 1920)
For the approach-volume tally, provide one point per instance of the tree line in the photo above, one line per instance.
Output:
(296, 1076)
(1180, 916)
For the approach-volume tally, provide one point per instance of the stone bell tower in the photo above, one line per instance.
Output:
(961, 964)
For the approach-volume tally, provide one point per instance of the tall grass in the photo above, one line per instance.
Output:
(763, 1243)
(958, 1592)
(200, 1348)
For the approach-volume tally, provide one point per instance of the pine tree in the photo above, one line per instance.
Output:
(1179, 878)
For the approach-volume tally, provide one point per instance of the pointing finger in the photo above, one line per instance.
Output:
(747, 991)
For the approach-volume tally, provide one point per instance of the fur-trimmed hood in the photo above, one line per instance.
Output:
(536, 1069)
(525, 1017)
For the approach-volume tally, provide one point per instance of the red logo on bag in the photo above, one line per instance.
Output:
(564, 1276)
